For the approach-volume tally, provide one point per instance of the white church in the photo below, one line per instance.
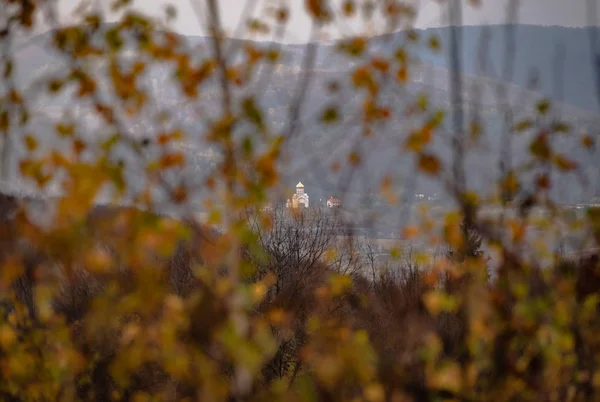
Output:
(300, 198)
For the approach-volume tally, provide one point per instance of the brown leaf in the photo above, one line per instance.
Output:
(429, 164)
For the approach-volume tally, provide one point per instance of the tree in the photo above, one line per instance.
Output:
(470, 245)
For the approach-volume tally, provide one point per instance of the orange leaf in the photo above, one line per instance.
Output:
(317, 9)
(402, 74)
(564, 164)
(410, 231)
(380, 64)
(587, 141)
(171, 160)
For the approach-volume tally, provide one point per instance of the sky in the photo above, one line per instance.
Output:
(431, 13)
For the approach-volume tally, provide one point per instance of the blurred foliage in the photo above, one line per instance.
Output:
(124, 303)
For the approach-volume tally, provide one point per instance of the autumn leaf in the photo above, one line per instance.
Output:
(587, 142)
(79, 146)
(412, 35)
(560, 127)
(354, 158)
(282, 14)
(540, 147)
(30, 143)
(380, 64)
(330, 115)
(563, 163)
(252, 112)
(171, 160)
(349, 8)
(510, 183)
(475, 130)
(273, 55)
(434, 43)
(422, 102)
(429, 164)
(4, 120)
(65, 130)
(401, 56)
(437, 302)
(388, 193)
(417, 140)
(362, 77)
(523, 125)
(543, 182)
(402, 74)
(353, 47)
(543, 106)
(410, 231)
(317, 8)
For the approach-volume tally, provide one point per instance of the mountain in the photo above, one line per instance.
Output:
(317, 146)
(562, 58)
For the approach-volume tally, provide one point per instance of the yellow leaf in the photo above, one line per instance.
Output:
(437, 301)
(448, 377)
(8, 336)
(452, 233)
(65, 130)
(31, 143)
(510, 184)
(434, 43)
(339, 284)
(354, 158)
(416, 141)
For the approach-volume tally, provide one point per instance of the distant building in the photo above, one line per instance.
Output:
(333, 202)
(298, 199)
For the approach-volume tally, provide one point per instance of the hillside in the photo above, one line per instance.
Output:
(312, 153)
